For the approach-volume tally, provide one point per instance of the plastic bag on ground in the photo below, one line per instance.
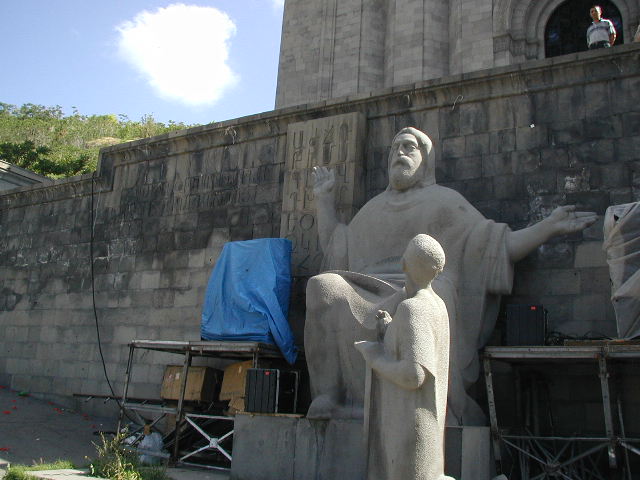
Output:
(153, 443)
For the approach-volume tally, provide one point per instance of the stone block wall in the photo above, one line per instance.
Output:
(138, 240)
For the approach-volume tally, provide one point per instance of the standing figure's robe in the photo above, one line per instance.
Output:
(406, 426)
(341, 305)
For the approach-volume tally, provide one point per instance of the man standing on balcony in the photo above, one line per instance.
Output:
(601, 33)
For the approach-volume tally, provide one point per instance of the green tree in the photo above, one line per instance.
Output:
(47, 141)
(25, 155)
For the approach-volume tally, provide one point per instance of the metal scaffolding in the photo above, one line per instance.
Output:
(557, 456)
(187, 422)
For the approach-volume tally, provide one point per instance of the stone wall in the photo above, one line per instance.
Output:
(139, 239)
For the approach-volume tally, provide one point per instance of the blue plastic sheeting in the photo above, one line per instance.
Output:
(247, 298)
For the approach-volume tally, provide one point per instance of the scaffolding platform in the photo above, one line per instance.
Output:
(214, 432)
(541, 454)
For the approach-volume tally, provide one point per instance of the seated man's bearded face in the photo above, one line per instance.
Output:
(405, 162)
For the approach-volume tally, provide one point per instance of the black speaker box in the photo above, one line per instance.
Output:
(271, 390)
(526, 325)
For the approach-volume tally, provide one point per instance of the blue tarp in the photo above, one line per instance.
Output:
(247, 297)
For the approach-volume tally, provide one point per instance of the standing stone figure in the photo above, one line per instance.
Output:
(342, 305)
(408, 390)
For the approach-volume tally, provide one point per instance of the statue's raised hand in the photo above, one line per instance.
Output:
(565, 219)
(324, 180)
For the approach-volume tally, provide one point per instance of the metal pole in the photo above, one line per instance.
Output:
(629, 447)
(606, 403)
(495, 433)
(183, 387)
(126, 386)
(626, 453)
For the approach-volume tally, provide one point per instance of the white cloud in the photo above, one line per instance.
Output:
(278, 3)
(182, 51)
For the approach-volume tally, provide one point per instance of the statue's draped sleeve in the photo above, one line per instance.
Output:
(487, 273)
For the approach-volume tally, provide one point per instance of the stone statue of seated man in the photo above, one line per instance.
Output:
(364, 257)
(410, 370)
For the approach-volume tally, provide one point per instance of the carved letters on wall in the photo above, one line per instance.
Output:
(199, 192)
(334, 142)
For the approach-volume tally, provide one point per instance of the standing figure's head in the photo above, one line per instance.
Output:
(422, 260)
(410, 160)
(596, 13)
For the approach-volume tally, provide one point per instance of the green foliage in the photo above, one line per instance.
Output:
(21, 472)
(50, 143)
(117, 463)
(40, 160)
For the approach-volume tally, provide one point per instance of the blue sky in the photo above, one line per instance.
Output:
(192, 62)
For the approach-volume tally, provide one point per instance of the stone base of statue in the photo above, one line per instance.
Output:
(269, 447)
(467, 453)
(292, 448)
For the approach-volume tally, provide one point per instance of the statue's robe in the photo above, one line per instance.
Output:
(341, 305)
(406, 426)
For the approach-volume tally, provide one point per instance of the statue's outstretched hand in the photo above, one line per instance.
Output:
(565, 219)
(324, 180)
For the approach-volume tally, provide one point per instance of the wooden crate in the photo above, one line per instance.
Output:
(201, 383)
(233, 385)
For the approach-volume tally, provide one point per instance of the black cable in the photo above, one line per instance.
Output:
(558, 338)
(95, 310)
(93, 293)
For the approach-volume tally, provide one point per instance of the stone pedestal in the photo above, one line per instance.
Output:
(293, 448)
(289, 448)
(467, 453)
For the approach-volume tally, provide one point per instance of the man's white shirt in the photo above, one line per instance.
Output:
(600, 31)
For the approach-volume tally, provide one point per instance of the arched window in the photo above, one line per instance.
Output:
(566, 30)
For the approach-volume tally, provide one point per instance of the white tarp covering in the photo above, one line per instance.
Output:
(622, 245)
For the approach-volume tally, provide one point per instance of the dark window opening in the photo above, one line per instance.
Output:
(566, 30)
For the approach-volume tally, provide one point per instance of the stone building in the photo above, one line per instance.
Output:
(12, 176)
(335, 48)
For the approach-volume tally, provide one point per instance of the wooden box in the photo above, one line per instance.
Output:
(202, 383)
(233, 385)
